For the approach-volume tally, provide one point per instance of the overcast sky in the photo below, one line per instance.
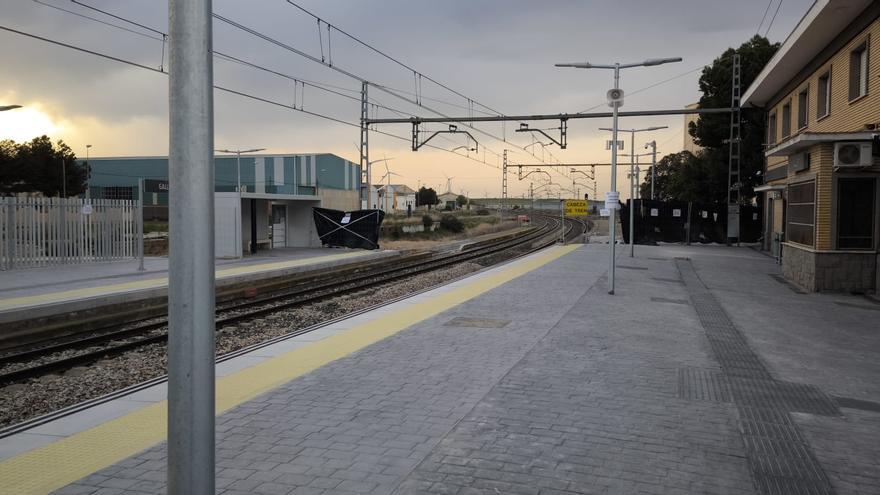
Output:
(498, 53)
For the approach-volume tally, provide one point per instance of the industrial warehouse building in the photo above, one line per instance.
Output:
(272, 208)
(821, 94)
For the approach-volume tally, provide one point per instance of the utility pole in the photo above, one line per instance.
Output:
(503, 188)
(365, 143)
(191, 307)
(734, 182)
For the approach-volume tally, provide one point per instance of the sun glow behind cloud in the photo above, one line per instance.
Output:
(23, 124)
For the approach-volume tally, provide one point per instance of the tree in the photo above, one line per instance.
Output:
(461, 200)
(711, 130)
(684, 176)
(426, 196)
(37, 167)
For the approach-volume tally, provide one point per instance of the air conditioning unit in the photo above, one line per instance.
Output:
(852, 154)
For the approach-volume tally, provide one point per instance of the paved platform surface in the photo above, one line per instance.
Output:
(27, 288)
(702, 374)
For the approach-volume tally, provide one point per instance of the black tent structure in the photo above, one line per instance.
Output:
(357, 229)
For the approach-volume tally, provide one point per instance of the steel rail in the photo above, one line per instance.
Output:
(328, 290)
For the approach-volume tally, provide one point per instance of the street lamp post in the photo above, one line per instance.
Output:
(653, 145)
(89, 174)
(616, 98)
(632, 178)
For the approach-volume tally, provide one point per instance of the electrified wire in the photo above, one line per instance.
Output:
(758, 31)
(132, 31)
(389, 57)
(773, 19)
(322, 86)
(222, 88)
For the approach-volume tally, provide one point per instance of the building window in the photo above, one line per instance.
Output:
(118, 192)
(786, 119)
(803, 102)
(858, 71)
(771, 128)
(801, 212)
(855, 213)
(823, 95)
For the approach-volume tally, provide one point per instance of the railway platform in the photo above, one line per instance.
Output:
(704, 373)
(44, 292)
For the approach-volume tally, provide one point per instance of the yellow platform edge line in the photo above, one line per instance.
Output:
(58, 464)
(86, 292)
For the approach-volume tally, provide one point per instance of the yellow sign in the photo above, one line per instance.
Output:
(576, 207)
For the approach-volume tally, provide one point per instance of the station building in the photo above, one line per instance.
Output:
(272, 208)
(821, 94)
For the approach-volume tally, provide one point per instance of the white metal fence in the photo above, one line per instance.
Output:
(53, 231)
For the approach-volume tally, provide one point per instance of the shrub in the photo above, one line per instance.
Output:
(483, 212)
(451, 223)
(427, 221)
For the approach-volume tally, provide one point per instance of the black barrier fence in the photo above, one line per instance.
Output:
(353, 229)
(669, 221)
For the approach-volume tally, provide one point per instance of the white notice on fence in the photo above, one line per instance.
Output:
(705, 214)
(605, 212)
(754, 216)
(612, 199)
(345, 219)
(87, 209)
(655, 212)
(676, 212)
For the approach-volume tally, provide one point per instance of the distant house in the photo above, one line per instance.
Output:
(446, 199)
(821, 95)
(689, 144)
(394, 197)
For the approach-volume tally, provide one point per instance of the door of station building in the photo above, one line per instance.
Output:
(279, 225)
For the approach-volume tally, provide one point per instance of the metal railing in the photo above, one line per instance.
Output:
(37, 232)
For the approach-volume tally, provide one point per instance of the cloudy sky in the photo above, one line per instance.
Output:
(498, 53)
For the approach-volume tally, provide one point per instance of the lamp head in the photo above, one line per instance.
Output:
(660, 61)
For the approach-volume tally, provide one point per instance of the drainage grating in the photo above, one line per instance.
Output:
(626, 267)
(476, 322)
(670, 301)
(700, 384)
(779, 457)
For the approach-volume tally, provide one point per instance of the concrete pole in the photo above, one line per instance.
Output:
(612, 218)
(191, 259)
(653, 166)
(140, 224)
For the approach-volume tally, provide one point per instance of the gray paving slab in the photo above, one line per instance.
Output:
(581, 392)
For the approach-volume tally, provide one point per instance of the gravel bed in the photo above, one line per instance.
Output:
(21, 401)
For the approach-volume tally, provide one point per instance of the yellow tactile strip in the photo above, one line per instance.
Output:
(153, 283)
(53, 466)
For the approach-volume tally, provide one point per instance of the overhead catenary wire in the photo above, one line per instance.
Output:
(764, 17)
(225, 89)
(772, 19)
(302, 82)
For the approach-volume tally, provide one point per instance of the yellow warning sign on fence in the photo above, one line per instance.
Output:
(575, 207)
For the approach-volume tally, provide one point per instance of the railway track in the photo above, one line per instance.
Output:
(126, 336)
